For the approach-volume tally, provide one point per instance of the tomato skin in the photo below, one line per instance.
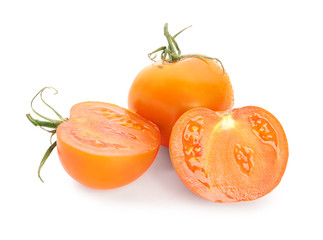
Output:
(102, 172)
(233, 156)
(96, 167)
(163, 94)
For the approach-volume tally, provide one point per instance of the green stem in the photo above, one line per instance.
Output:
(157, 50)
(50, 125)
(41, 97)
(172, 53)
(181, 31)
(46, 155)
(41, 123)
(32, 107)
(173, 56)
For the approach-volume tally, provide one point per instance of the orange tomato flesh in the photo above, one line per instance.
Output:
(104, 146)
(234, 156)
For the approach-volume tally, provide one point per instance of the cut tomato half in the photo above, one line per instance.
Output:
(104, 146)
(231, 156)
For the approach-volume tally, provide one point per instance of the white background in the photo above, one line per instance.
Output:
(92, 50)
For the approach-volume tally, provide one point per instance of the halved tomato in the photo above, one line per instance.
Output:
(104, 146)
(231, 156)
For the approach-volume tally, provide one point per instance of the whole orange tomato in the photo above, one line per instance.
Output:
(166, 89)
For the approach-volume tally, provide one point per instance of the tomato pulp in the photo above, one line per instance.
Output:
(162, 92)
(104, 146)
(233, 156)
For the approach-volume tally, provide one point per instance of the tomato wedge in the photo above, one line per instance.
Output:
(104, 146)
(230, 156)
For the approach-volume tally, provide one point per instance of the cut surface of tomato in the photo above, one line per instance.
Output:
(231, 156)
(105, 146)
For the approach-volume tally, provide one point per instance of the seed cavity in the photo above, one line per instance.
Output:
(244, 158)
(86, 139)
(263, 130)
(123, 119)
(192, 148)
(112, 132)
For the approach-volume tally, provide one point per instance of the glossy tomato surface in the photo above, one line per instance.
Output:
(234, 156)
(104, 146)
(163, 92)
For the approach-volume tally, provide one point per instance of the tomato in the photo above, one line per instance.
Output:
(166, 89)
(232, 156)
(101, 146)
(104, 146)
